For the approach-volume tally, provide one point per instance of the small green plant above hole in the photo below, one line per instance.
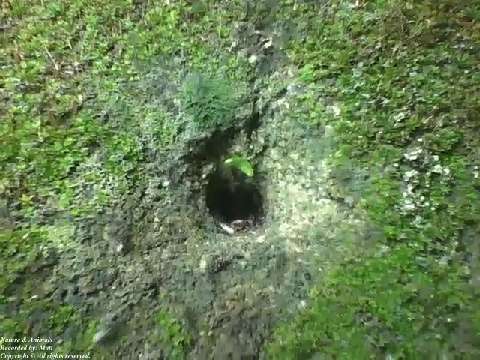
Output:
(210, 101)
(241, 163)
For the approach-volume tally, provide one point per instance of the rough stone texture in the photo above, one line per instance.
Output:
(159, 248)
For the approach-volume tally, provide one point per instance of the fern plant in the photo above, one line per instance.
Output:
(209, 101)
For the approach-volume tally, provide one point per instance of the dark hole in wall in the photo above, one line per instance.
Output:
(231, 195)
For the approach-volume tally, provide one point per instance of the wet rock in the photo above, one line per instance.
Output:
(219, 263)
(107, 329)
(118, 231)
(6, 221)
(47, 260)
(213, 264)
(87, 284)
(73, 299)
(241, 224)
(228, 229)
(230, 289)
(101, 335)
(413, 154)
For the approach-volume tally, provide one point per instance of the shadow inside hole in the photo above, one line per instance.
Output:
(231, 195)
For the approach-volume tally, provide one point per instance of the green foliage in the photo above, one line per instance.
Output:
(209, 101)
(396, 71)
(21, 248)
(60, 151)
(173, 335)
(76, 118)
(397, 81)
(387, 305)
(82, 342)
(62, 316)
(241, 163)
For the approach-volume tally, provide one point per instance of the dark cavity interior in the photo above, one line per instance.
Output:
(231, 195)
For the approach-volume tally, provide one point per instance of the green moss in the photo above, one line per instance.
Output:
(76, 113)
(209, 101)
(82, 342)
(172, 335)
(62, 316)
(389, 304)
(19, 250)
(399, 83)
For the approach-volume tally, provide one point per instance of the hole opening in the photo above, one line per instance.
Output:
(231, 195)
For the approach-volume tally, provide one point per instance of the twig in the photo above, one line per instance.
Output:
(55, 64)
